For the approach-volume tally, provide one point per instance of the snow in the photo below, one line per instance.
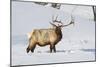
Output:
(77, 44)
(42, 55)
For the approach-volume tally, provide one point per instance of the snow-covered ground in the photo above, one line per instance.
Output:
(67, 51)
(41, 56)
(77, 44)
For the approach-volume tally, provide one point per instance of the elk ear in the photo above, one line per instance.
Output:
(52, 24)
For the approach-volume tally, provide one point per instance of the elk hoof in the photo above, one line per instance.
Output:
(32, 51)
(27, 50)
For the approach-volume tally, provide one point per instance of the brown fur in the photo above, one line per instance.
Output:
(43, 37)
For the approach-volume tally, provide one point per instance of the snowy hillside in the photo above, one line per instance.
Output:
(77, 44)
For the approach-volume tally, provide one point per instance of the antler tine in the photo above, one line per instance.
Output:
(56, 18)
(72, 18)
(71, 22)
(53, 18)
(61, 22)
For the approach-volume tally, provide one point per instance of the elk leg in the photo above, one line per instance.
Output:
(54, 48)
(50, 48)
(28, 49)
(32, 50)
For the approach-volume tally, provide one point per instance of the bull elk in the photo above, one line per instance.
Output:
(50, 36)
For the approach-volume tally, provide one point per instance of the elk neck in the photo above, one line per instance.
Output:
(59, 32)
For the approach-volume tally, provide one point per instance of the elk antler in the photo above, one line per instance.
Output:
(52, 24)
(72, 22)
(59, 21)
(55, 20)
(67, 24)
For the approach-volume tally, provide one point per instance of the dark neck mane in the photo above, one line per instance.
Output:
(59, 33)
